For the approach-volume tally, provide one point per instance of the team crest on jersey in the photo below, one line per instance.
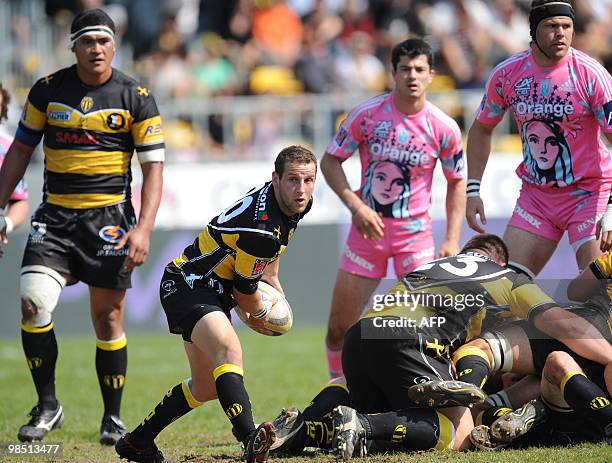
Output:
(111, 233)
(523, 86)
(382, 129)
(258, 267)
(86, 103)
(115, 121)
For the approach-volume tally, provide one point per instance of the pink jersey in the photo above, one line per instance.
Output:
(398, 153)
(21, 191)
(560, 111)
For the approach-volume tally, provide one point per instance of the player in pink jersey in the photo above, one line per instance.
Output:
(561, 100)
(400, 137)
(17, 210)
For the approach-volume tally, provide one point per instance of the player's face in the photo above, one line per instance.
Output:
(387, 183)
(94, 54)
(555, 36)
(543, 145)
(412, 76)
(294, 189)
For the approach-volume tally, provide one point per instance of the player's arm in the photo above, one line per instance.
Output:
(271, 275)
(455, 211)
(13, 169)
(138, 238)
(478, 151)
(253, 255)
(367, 221)
(575, 332)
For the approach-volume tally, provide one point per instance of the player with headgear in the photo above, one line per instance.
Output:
(91, 118)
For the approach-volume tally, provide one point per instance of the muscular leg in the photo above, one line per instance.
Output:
(111, 345)
(528, 250)
(351, 293)
(587, 253)
(582, 394)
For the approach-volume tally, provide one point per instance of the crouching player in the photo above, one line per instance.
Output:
(220, 269)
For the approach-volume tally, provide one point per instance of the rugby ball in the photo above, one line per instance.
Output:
(281, 317)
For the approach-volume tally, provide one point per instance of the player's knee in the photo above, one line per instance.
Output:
(557, 364)
(478, 343)
(500, 351)
(40, 288)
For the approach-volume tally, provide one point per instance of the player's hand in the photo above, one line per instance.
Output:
(448, 248)
(473, 208)
(369, 223)
(603, 232)
(258, 324)
(137, 241)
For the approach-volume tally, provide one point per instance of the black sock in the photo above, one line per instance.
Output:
(411, 428)
(587, 398)
(234, 399)
(472, 365)
(330, 397)
(40, 348)
(111, 366)
(488, 416)
(318, 433)
(177, 402)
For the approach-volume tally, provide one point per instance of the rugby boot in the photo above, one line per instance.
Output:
(258, 445)
(111, 429)
(41, 422)
(517, 423)
(349, 439)
(437, 393)
(481, 438)
(287, 425)
(138, 451)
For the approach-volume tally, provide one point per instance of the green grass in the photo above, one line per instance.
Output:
(279, 372)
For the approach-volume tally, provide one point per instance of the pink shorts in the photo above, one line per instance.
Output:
(550, 213)
(409, 241)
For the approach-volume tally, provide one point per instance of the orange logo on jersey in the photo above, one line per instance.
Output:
(86, 103)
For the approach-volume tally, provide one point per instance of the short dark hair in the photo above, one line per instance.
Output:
(6, 99)
(411, 48)
(95, 17)
(490, 245)
(293, 153)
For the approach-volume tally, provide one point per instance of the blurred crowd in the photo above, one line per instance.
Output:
(189, 48)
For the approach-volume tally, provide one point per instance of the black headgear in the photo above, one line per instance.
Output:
(548, 10)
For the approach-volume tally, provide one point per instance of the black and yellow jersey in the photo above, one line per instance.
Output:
(447, 300)
(236, 246)
(90, 134)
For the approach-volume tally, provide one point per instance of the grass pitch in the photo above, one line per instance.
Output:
(283, 371)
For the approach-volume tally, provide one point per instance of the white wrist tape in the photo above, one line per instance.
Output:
(473, 188)
(263, 313)
(606, 219)
(10, 226)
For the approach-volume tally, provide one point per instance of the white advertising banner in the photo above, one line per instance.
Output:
(195, 193)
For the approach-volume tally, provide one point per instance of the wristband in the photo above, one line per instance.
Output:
(473, 188)
(606, 218)
(263, 313)
(10, 226)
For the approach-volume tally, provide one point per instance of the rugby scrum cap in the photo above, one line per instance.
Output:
(544, 11)
(91, 22)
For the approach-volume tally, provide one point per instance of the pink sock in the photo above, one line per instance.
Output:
(334, 362)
